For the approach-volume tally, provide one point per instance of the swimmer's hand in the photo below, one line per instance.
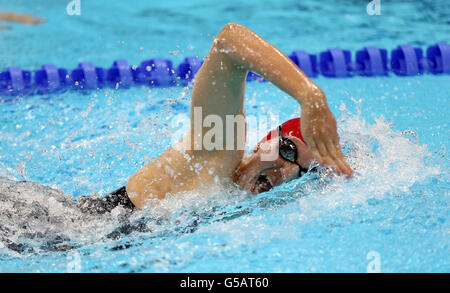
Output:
(319, 131)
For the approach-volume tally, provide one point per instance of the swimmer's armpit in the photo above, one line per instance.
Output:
(27, 19)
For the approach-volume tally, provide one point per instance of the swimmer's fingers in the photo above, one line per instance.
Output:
(331, 155)
(327, 159)
(335, 152)
(315, 151)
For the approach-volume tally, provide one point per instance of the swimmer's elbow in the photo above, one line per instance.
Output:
(231, 27)
(138, 191)
(229, 33)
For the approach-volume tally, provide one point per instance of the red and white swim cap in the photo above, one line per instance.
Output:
(291, 127)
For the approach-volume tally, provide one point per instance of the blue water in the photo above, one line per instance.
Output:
(393, 129)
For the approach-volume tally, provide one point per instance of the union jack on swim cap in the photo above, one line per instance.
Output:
(291, 127)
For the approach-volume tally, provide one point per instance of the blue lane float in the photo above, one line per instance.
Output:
(49, 78)
(251, 76)
(120, 74)
(15, 81)
(155, 72)
(86, 76)
(407, 61)
(306, 62)
(188, 69)
(336, 62)
(370, 61)
(439, 58)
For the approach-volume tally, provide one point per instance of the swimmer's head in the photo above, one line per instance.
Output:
(279, 157)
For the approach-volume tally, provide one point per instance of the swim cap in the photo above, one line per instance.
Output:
(291, 127)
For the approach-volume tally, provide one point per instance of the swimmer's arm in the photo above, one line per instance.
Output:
(250, 52)
(167, 174)
(219, 85)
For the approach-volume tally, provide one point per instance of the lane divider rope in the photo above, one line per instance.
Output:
(405, 60)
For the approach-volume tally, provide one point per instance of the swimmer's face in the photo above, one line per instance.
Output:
(265, 169)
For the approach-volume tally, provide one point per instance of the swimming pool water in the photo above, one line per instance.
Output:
(394, 130)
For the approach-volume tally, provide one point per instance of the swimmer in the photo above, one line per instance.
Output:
(219, 89)
(27, 19)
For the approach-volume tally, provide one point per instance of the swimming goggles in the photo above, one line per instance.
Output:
(288, 151)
